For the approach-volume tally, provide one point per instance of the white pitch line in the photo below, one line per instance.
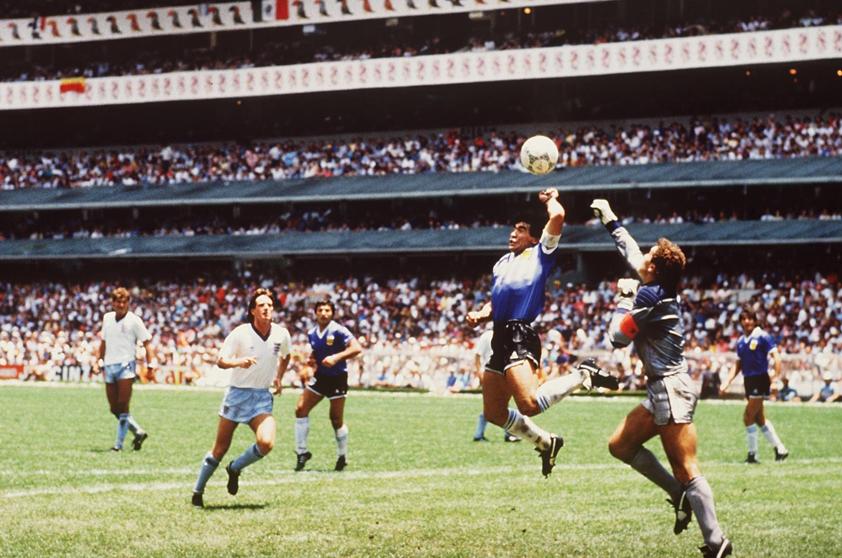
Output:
(289, 477)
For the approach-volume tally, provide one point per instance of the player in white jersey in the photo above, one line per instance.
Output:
(482, 354)
(519, 279)
(121, 332)
(257, 353)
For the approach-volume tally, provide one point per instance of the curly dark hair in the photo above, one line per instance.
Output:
(669, 261)
(253, 301)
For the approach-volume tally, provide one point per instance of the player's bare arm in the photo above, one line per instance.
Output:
(283, 363)
(246, 362)
(354, 348)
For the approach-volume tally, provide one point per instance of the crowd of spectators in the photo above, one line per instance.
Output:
(312, 220)
(413, 330)
(301, 49)
(697, 139)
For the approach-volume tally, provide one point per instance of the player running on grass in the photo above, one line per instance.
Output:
(651, 318)
(257, 353)
(753, 351)
(517, 297)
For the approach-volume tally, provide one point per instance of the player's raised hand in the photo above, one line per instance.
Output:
(248, 362)
(602, 209)
(546, 195)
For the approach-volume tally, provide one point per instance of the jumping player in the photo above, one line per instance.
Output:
(651, 318)
(519, 279)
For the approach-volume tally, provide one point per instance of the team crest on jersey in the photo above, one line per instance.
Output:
(329, 340)
(752, 345)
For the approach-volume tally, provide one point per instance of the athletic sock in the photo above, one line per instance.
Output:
(134, 427)
(302, 429)
(700, 496)
(209, 465)
(751, 438)
(480, 431)
(645, 463)
(768, 430)
(122, 428)
(246, 458)
(341, 440)
(550, 393)
(524, 427)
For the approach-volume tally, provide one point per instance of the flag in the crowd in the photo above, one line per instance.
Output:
(74, 85)
(272, 10)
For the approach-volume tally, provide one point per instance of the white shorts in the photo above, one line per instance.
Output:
(119, 371)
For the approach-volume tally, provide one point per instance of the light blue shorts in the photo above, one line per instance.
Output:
(243, 404)
(120, 371)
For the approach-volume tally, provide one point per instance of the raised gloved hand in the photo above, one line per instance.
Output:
(627, 288)
(602, 209)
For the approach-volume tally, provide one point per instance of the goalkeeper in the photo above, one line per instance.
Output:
(650, 316)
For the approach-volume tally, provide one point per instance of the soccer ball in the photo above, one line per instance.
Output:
(539, 155)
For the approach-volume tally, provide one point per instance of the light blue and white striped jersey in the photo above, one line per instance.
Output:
(519, 282)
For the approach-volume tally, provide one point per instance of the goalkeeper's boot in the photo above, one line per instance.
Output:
(724, 549)
(683, 513)
(594, 376)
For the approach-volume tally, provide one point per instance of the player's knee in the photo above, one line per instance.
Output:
(529, 407)
(264, 446)
(619, 450)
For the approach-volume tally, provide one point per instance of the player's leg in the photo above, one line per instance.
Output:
(626, 444)
(224, 434)
(768, 429)
(263, 426)
(121, 408)
(750, 417)
(522, 382)
(306, 402)
(588, 375)
(680, 443)
(340, 429)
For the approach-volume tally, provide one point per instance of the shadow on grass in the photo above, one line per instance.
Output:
(102, 450)
(224, 507)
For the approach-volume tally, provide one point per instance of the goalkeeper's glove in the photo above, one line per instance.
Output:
(602, 209)
(627, 288)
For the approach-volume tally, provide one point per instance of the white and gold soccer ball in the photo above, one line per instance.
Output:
(539, 155)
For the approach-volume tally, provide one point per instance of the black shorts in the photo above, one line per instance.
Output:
(332, 387)
(513, 342)
(757, 386)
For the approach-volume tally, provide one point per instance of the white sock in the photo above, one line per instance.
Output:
(524, 427)
(554, 391)
(769, 431)
(751, 438)
(341, 440)
(302, 429)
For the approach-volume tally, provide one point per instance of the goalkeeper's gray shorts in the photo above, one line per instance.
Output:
(672, 398)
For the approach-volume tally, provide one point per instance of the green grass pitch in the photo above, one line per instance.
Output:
(416, 484)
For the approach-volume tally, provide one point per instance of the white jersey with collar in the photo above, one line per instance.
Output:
(245, 342)
(122, 336)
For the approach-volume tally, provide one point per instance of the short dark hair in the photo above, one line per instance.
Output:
(120, 293)
(669, 261)
(253, 300)
(325, 302)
